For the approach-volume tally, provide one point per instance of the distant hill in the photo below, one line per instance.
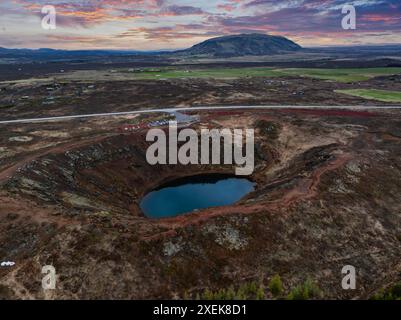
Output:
(254, 44)
(48, 55)
(75, 52)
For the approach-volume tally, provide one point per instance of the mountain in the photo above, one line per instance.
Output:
(243, 45)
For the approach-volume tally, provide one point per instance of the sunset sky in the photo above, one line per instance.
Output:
(169, 24)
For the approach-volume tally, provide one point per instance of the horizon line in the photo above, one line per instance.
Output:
(178, 49)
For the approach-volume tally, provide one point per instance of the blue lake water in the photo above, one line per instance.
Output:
(189, 194)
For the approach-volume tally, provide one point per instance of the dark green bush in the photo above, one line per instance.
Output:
(276, 286)
(307, 290)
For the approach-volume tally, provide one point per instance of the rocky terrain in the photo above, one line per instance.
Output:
(53, 96)
(327, 196)
(327, 191)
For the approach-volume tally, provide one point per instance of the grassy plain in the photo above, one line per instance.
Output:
(374, 94)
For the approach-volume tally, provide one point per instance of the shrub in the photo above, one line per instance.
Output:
(248, 290)
(260, 294)
(393, 293)
(241, 294)
(207, 295)
(276, 286)
(307, 290)
(268, 128)
(230, 293)
(252, 288)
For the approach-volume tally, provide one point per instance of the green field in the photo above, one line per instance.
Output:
(373, 94)
(339, 75)
(219, 73)
(343, 75)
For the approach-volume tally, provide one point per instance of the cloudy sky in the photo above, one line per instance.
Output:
(165, 24)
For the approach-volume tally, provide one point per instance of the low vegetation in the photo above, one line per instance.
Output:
(344, 75)
(246, 291)
(218, 73)
(257, 291)
(339, 75)
(307, 290)
(394, 293)
(276, 286)
(374, 94)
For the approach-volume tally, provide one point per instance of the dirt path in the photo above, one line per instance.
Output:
(307, 188)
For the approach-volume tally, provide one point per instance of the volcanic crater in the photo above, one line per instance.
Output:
(309, 171)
